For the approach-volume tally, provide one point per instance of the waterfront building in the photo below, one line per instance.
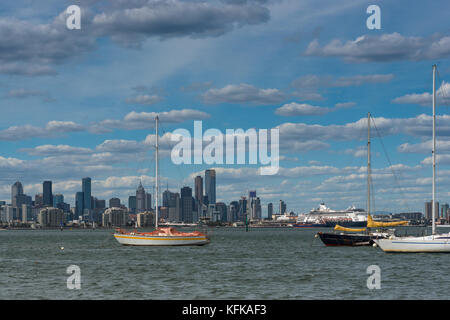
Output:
(86, 189)
(114, 203)
(186, 204)
(270, 211)
(26, 213)
(51, 217)
(47, 194)
(232, 212)
(22, 199)
(145, 219)
(100, 204)
(115, 217)
(210, 185)
(254, 206)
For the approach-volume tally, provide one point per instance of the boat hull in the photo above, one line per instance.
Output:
(350, 240)
(138, 240)
(415, 244)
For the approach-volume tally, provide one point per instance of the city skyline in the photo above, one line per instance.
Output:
(310, 72)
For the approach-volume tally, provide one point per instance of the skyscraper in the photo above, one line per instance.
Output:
(132, 204)
(210, 185)
(86, 188)
(270, 211)
(429, 212)
(79, 205)
(140, 198)
(16, 189)
(47, 193)
(186, 204)
(57, 199)
(148, 201)
(199, 190)
(282, 207)
(174, 207)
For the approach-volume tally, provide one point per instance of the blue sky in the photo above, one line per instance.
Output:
(79, 103)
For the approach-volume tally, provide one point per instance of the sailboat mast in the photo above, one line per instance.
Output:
(156, 173)
(433, 209)
(368, 163)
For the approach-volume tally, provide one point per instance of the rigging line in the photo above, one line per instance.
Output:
(180, 175)
(390, 164)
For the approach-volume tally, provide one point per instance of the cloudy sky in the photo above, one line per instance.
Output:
(78, 103)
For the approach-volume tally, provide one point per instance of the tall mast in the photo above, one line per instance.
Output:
(156, 173)
(433, 216)
(368, 163)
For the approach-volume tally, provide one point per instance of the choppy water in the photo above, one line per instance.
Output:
(259, 264)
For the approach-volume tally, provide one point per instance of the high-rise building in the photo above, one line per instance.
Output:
(242, 209)
(148, 201)
(16, 189)
(429, 212)
(210, 185)
(199, 190)
(174, 207)
(47, 193)
(282, 207)
(444, 209)
(233, 211)
(254, 206)
(39, 199)
(57, 199)
(270, 211)
(222, 209)
(166, 197)
(114, 203)
(140, 198)
(79, 205)
(186, 204)
(132, 204)
(86, 189)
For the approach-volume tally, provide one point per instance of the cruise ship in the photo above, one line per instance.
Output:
(326, 217)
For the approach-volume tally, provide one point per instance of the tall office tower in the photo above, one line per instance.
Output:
(198, 190)
(174, 207)
(79, 205)
(444, 209)
(39, 199)
(282, 207)
(270, 211)
(222, 210)
(210, 185)
(16, 189)
(57, 199)
(47, 193)
(100, 204)
(140, 198)
(148, 201)
(252, 206)
(232, 212)
(86, 188)
(242, 208)
(186, 204)
(166, 198)
(429, 212)
(114, 203)
(132, 204)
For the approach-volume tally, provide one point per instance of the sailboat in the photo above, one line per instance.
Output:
(361, 236)
(160, 236)
(434, 242)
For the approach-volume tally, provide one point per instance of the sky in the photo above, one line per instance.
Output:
(77, 103)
